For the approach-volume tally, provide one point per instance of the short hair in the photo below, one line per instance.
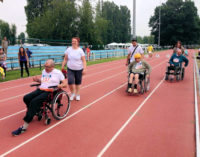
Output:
(51, 62)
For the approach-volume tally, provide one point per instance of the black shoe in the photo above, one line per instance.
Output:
(166, 77)
(18, 131)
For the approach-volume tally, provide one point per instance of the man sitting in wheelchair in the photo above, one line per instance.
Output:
(136, 71)
(34, 100)
(175, 62)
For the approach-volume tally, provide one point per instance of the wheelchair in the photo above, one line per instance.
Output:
(173, 72)
(57, 103)
(143, 85)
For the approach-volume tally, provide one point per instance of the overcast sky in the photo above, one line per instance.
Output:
(12, 11)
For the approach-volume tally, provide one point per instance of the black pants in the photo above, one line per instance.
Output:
(175, 68)
(34, 102)
(26, 67)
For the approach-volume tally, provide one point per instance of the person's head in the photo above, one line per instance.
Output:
(179, 52)
(5, 38)
(75, 42)
(21, 50)
(26, 49)
(1, 51)
(137, 57)
(83, 46)
(178, 44)
(49, 65)
(134, 42)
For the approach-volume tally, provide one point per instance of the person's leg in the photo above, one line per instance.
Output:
(35, 105)
(136, 82)
(71, 82)
(28, 97)
(21, 65)
(78, 81)
(130, 81)
(26, 67)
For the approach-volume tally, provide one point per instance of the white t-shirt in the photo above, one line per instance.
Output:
(51, 79)
(74, 58)
(138, 50)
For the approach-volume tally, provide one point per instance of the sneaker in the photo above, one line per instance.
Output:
(135, 91)
(72, 97)
(78, 98)
(130, 90)
(18, 131)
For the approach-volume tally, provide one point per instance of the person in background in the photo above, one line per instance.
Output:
(4, 45)
(179, 46)
(23, 60)
(88, 53)
(150, 50)
(132, 50)
(29, 53)
(198, 57)
(2, 63)
(76, 67)
(84, 49)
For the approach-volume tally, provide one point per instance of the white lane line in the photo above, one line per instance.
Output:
(14, 87)
(14, 114)
(81, 88)
(91, 84)
(128, 121)
(61, 121)
(196, 117)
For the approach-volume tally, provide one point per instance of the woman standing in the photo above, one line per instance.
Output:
(23, 60)
(76, 66)
(179, 46)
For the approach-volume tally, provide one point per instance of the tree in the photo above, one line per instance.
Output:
(59, 21)
(180, 21)
(8, 31)
(21, 37)
(86, 25)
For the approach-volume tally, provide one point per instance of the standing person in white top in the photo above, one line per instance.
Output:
(35, 99)
(134, 49)
(76, 66)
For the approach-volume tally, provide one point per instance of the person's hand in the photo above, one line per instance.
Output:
(60, 86)
(126, 63)
(147, 76)
(84, 71)
(36, 79)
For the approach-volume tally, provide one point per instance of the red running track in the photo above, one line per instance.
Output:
(162, 125)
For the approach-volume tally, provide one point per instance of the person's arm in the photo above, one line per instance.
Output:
(148, 67)
(63, 84)
(171, 60)
(130, 67)
(84, 64)
(26, 57)
(64, 61)
(186, 61)
(19, 58)
(36, 79)
(128, 59)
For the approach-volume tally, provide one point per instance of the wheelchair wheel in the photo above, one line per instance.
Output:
(147, 84)
(60, 105)
(47, 121)
(182, 73)
(141, 84)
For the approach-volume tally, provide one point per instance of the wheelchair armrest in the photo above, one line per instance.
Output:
(35, 85)
(54, 87)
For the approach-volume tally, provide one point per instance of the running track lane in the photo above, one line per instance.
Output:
(165, 125)
(121, 91)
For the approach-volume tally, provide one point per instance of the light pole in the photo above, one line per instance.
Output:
(134, 18)
(159, 24)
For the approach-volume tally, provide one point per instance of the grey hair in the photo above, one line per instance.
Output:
(51, 62)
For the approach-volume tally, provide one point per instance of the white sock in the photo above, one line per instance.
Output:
(25, 126)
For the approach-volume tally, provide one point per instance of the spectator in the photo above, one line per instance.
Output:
(198, 57)
(5, 45)
(2, 63)
(29, 53)
(88, 53)
(23, 60)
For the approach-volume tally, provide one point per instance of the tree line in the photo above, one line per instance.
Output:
(63, 19)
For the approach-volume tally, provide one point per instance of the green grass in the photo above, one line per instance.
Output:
(15, 74)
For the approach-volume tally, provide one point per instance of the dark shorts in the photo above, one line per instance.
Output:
(74, 76)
